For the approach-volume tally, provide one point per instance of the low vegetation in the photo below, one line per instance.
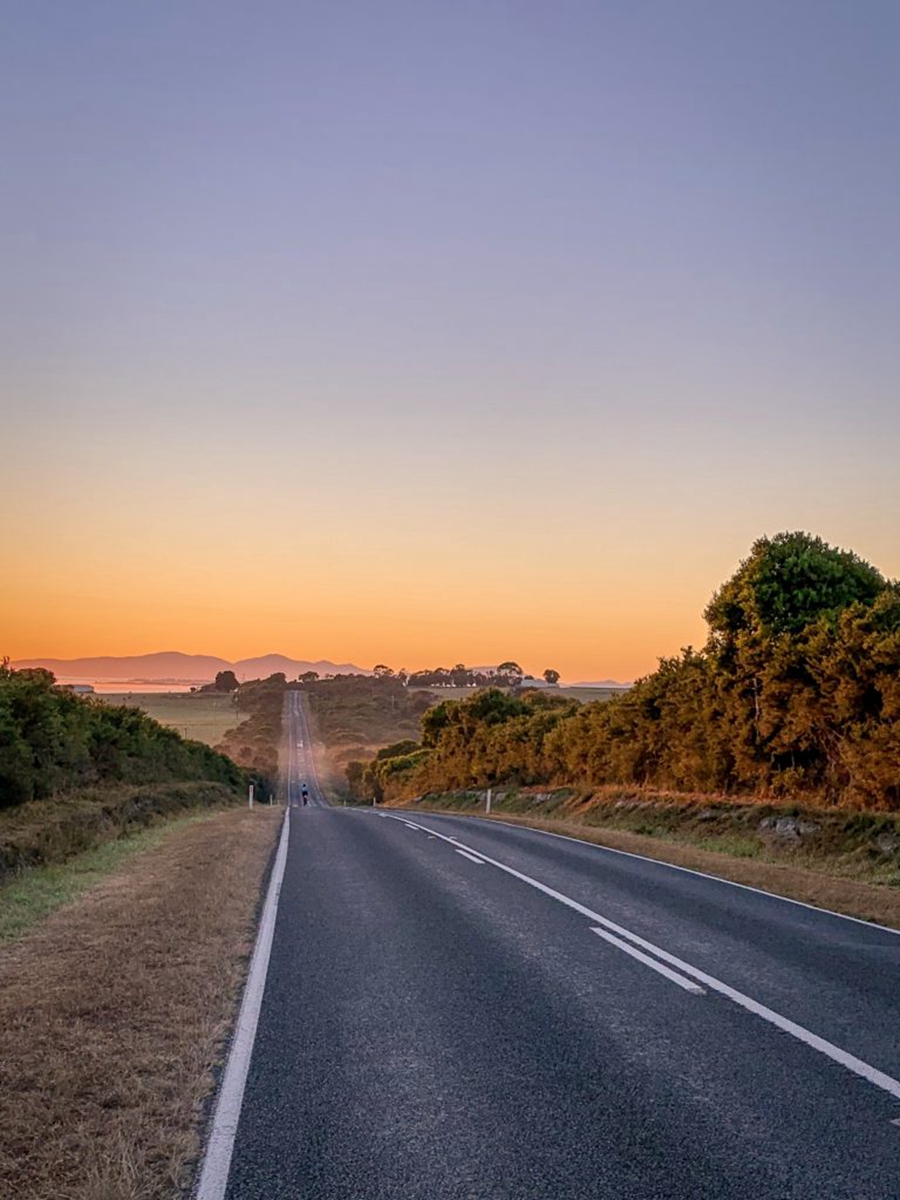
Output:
(354, 715)
(795, 695)
(255, 743)
(44, 832)
(33, 894)
(114, 1012)
(863, 846)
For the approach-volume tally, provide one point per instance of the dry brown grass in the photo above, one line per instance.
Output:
(114, 1014)
(869, 902)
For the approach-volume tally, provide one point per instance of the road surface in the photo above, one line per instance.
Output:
(300, 765)
(466, 1010)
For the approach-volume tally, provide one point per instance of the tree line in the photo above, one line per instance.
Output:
(254, 744)
(53, 741)
(507, 675)
(796, 692)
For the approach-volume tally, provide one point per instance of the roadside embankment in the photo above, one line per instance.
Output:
(115, 1010)
(44, 832)
(835, 858)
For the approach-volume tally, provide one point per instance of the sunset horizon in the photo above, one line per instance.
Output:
(585, 647)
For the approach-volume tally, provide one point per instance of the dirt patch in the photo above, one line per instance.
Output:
(868, 901)
(115, 1012)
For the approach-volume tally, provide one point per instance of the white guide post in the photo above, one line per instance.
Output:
(250, 796)
(487, 801)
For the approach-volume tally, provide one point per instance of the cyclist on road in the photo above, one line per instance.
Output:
(304, 794)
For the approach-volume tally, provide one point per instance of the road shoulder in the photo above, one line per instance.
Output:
(115, 1011)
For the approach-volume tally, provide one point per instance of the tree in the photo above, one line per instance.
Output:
(788, 582)
(308, 677)
(510, 673)
(383, 672)
(226, 681)
(551, 676)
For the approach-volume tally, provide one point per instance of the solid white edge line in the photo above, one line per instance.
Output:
(220, 1144)
(661, 862)
(687, 984)
(470, 857)
(835, 1053)
(850, 1061)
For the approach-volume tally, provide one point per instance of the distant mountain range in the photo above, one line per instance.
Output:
(173, 667)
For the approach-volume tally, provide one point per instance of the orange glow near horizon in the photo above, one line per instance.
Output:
(395, 595)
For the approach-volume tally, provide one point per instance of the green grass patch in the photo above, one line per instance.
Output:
(201, 716)
(39, 891)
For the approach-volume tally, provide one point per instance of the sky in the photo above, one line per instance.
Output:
(421, 333)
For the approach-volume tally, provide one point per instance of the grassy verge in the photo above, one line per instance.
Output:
(114, 1013)
(46, 832)
(39, 891)
(834, 858)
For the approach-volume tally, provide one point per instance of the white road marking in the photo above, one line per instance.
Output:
(470, 857)
(659, 862)
(835, 1053)
(409, 826)
(219, 1147)
(687, 984)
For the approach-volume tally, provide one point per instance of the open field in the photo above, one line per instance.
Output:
(113, 1015)
(588, 694)
(203, 716)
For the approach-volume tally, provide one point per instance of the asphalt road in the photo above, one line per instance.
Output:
(300, 765)
(489, 1017)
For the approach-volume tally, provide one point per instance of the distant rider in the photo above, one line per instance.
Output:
(304, 794)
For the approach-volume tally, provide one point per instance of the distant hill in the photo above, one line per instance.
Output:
(253, 668)
(171, 666)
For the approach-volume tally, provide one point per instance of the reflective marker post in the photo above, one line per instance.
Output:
(250, 796)
(487, 801)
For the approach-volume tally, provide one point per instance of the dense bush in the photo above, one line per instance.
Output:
(797, 691)
(52, 740)
(255, 743)
(53, 830)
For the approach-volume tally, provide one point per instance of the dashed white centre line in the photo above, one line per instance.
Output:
(687, 984)
(470, 857)
(865, 1070)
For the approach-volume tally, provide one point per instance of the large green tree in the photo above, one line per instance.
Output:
(788, 582)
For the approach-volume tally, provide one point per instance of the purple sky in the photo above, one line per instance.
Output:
(613, 286)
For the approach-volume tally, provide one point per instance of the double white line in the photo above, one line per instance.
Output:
(687, 976)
